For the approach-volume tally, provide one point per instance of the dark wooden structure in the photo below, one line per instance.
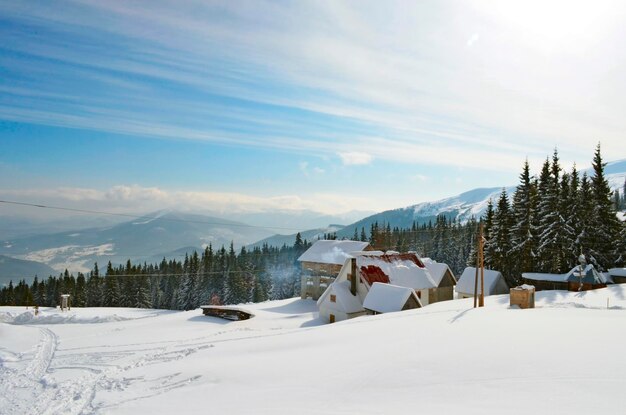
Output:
(228, 313)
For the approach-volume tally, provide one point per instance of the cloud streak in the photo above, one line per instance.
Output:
(345, 84)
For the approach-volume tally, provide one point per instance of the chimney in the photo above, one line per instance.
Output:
(353, 276)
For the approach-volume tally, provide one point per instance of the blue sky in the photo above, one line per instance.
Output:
(328, 106)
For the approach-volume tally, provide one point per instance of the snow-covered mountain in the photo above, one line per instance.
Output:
(464, 206)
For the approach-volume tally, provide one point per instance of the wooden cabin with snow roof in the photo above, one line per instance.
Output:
(326, 257)
(444, 279)
(345, 297)
(494, 283)
(578, 279)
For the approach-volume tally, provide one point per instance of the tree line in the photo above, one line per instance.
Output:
(211, 277)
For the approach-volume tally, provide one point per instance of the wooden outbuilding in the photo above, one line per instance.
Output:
(580, 278)
(444, 279)
(388, 298)
(494, 283)
(523, 296)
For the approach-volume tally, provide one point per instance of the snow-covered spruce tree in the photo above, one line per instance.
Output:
(606, 227)
(584, 212)
(187, 286)
(552, 242)
(523, 241)
(142, 292)
(80, 291)
(488, 248)
(500, 238)
(568, 234)
(111, 291)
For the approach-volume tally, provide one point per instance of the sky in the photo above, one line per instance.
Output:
(329, 106)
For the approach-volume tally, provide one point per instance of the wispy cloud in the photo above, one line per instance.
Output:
(265, 74)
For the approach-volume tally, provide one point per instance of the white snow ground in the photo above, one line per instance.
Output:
(564, 357)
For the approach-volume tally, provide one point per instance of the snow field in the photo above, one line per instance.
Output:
(562, 357)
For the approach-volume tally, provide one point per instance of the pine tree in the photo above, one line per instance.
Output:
(488, 248)
(500, 237)
(606, 227)
(80, 292)
(111, 289)
(522, 237)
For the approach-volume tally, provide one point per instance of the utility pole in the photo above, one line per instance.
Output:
(477, 266)
(481, 245)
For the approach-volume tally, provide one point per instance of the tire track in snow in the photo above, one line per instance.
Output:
(44, 355)
(19, 386)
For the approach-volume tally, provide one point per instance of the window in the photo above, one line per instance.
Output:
(333, 298)
(419, 294)
(331, 318)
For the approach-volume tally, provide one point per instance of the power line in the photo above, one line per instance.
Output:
(128, 215)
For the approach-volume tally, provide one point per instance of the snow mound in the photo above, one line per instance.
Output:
(29, 317)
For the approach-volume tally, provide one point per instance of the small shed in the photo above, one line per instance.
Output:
(338, 303)
(65, 301)
(618, 275)
(585, 278)
(444, 280)
(494, 283)
(387, 298)
(523, 296)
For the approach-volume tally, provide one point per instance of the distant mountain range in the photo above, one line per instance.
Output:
(171, 234)
(144, 239)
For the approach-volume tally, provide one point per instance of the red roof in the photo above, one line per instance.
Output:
(399, 257)
(372, 274)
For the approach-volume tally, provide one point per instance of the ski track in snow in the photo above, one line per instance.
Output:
(34, 390)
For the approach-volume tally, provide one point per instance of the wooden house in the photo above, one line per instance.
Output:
(326, 257)
(494, 283)
(444, 280)
(388, 298)
(402, 270)
(543, 281)
(322, 262)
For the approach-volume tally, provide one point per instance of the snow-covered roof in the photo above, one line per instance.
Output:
(465, 284)
(332, 252)
(437, 270)
(588, 275)
(403, 270)
(387, 298)
(617, 272)
(540, 276)
(344, 299)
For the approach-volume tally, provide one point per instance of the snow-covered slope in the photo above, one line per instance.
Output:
(447, 358)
